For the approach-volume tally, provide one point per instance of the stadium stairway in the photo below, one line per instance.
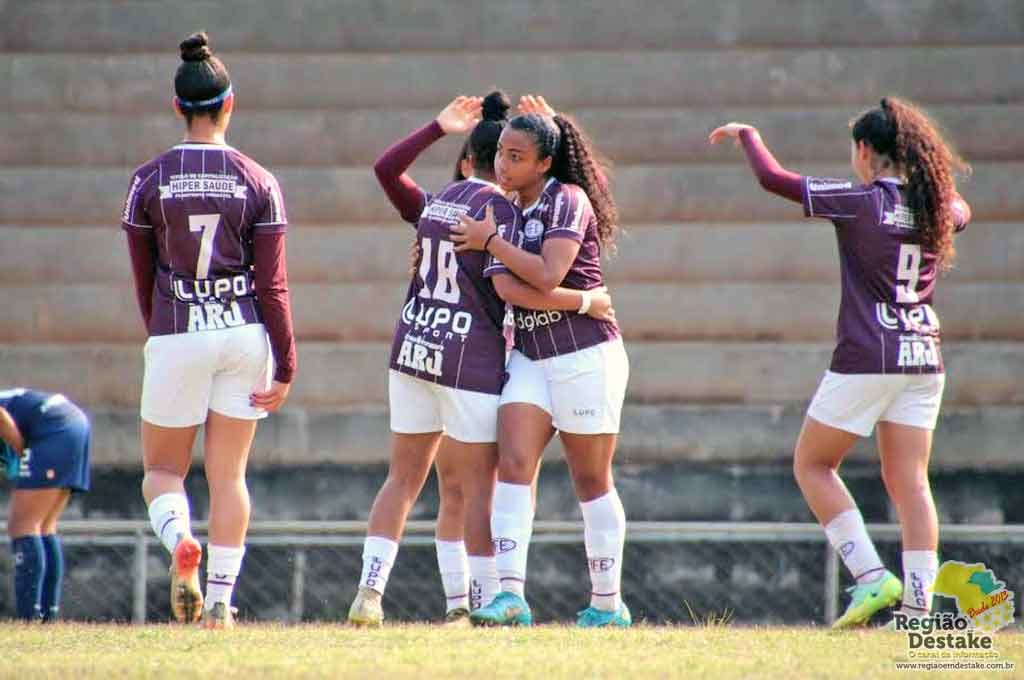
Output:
(727, 299)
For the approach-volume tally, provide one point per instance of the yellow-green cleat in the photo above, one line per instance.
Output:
(870, 598)
(366, 610)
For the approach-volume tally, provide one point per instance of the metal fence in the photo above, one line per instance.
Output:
(674, 572)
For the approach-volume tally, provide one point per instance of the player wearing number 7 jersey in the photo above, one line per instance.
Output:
(206, 228)
(895, 232)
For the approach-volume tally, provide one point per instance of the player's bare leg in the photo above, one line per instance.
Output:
(905, 452)
(604, 521)
(452, 560)
(411, 458)
(523, 432)
(166, 458)
(819, 451)
(226, 454)
(477, 465)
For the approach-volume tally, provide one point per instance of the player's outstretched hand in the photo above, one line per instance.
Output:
(729, 130)
(461, 115)
(470, 234)
(535, 104)
(601, 305)
(272, 399)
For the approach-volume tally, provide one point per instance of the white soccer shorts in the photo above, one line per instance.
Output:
(419, 406)
(854, 402)
(583, 391)
(188, 374)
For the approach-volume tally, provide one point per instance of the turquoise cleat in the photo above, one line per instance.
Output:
(507, 609)
(599, 618)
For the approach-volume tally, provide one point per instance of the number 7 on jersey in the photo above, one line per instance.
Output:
(207, 224)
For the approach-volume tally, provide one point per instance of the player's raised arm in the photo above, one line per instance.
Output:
(770, 174)
(460, 116)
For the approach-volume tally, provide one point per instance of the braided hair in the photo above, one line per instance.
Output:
(907, 137)
(575, 160)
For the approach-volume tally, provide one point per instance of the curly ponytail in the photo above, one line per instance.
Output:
(576, 161)
(910, 139)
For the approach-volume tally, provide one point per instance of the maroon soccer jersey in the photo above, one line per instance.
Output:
(886, 322)
(562, 211)
(203, 203)
(450, 330)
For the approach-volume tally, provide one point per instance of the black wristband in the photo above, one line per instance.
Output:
(488, 241)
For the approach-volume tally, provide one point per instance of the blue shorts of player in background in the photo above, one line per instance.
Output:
(56, 451)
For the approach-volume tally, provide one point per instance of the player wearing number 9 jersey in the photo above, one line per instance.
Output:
(895, 232)
(447, 363)
(206, 228)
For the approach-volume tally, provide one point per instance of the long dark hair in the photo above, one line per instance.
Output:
(201, 78)
(904, 133)
(575, 160)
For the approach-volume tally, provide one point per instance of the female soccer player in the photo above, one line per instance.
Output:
(45, 443)
(206, 227)
(448, 358)
(568, 372)
(895, 232)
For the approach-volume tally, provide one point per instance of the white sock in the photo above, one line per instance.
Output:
(512, 527)
(484, 583)
(170, 518)
(223, 564)
(849, 537)
(453, 564)
(604, 533)
(379, 555)
(920, 567)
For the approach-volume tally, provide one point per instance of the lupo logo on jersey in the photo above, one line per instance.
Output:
(423, 346)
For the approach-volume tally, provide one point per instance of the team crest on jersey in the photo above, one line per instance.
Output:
(533, 229)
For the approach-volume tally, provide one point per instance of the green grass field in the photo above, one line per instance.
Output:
(421, 651)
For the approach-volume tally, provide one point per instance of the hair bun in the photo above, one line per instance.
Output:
(496, 106)
(196, 47)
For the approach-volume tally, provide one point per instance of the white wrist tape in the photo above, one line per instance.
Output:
(585, 305)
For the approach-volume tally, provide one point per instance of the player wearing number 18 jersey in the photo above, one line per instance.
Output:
(895, 232)
(206, 229)
(447, 363)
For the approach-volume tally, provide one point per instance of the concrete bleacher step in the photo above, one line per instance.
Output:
(359, 312)
(317, 26)
(856, 78)
(626, 135)
(338, 375)
(644, 193)
(966, 437)
(692, 252)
